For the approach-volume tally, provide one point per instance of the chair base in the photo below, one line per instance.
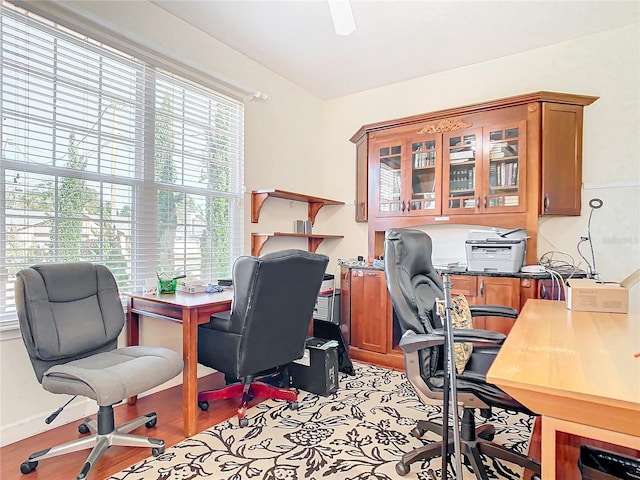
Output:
(104, 435)
(474, 442)
(247, 390)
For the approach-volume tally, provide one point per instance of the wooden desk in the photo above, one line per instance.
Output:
(577, 370)
(190, 309)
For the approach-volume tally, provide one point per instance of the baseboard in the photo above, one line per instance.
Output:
(80, 408)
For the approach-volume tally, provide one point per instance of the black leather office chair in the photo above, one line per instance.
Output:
(414, 285)
(273, 300)
(70, 316)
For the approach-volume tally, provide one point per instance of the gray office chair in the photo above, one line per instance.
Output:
(414, 285)
(273, 300)
(70, 316)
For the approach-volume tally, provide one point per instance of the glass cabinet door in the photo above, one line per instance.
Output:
(390, 179)
(425, 175)
(463, 151)
(505, 165)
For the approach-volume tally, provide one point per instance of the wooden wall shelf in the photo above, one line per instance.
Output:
(258, 198)
(313, 240)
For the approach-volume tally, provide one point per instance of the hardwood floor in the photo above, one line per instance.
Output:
(168, 405)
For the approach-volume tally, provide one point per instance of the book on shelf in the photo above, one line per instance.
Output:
(462, 179)
(511, 201)
(462, 155)
(511, 150)
(424, 159)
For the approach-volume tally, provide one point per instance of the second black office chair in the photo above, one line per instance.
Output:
(273, 300)
(414, 285)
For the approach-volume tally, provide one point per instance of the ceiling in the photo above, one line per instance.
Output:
(394, 41)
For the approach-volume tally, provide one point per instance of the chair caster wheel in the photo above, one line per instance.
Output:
(402, 469)
(294, 406)
(151, 423)
(243, 422)
(204, 406)
(155, 451)
(83, 428)
(488, 434)
(535, 477)
(417, 432)
(28, 466)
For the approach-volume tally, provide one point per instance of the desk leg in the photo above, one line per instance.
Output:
(133, 334)
(548, 441)
(190, 371)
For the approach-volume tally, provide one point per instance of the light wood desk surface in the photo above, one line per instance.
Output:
(190, 309)
(577, 370)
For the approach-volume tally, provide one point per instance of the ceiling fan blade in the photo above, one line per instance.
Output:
(342, 17)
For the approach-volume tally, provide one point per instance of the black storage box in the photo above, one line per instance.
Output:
(317, 371)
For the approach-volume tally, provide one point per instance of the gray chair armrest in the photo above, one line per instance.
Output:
(412, 342)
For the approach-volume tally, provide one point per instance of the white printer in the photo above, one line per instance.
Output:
(496, 250)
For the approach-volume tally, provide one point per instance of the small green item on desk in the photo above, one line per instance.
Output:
(167, 286)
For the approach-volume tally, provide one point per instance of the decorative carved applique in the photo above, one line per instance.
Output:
(444, 126)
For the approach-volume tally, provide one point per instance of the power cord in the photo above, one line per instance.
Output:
(549, 260)
(556, 280)
(557, 267)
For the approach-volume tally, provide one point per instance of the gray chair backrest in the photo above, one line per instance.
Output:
(67, 311)
(274, 298)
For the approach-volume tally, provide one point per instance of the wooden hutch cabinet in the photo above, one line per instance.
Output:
(501, 163)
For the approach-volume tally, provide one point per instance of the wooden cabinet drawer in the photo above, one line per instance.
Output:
(466, 285)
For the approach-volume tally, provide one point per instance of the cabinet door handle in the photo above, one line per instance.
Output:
(370, 274)
(484, 203)
(408, 206)
(547, 202)
(478, 203)
(403, 205)
(481, 288)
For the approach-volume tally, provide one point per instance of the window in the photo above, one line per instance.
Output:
(108, 159)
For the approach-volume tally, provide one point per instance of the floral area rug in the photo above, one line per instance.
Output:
(359, 433)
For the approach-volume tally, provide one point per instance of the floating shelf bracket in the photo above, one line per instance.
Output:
(313, 241)
(258, 197)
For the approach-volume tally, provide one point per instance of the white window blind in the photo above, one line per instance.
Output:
(111, 160)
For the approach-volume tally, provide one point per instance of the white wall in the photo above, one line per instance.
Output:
(296, 142)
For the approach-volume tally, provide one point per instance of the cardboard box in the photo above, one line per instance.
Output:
(587, 295)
